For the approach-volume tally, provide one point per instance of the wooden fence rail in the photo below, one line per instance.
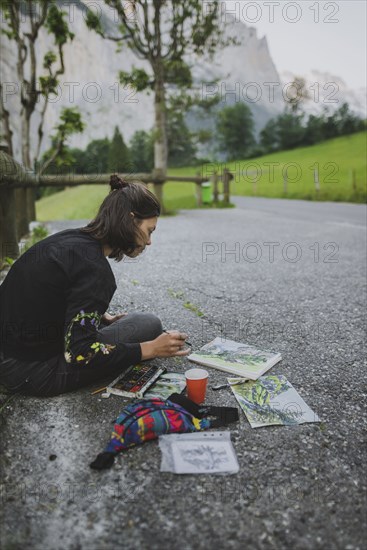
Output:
(17, 195)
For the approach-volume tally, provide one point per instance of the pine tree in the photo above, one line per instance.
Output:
(235, 131)
(163, 33)
(142, 151)
(118, 155)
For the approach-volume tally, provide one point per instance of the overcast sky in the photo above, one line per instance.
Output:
(336, 43)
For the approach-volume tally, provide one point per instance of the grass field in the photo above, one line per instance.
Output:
(264, 177)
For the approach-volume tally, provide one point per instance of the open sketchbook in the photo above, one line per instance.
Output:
(166, 385)
(272, 400)
(235, 358)
(198, 453)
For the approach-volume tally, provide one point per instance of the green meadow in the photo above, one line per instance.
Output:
(340, 163)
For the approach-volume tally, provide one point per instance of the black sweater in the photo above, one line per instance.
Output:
(52, 300)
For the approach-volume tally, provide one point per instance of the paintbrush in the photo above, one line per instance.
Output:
(229, 384)
(99, 390)
(186, 342)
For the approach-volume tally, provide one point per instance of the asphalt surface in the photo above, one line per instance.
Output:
(284, 275)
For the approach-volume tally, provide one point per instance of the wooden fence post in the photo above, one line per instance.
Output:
(214, 179)
(158, 191)
(21, 214)
(226, 180)
(354, 181)
(254, 183)
(31, 204)
(8, 225)
(316, 180)
(199, 197)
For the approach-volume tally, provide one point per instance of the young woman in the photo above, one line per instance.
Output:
(55, 296)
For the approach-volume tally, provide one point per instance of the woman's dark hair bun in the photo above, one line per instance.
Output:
(117, 183)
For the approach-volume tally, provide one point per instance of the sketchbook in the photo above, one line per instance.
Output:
(272, 400)
(236, 358)
(166, 385)
(198, 453)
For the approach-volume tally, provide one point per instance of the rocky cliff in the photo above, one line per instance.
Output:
(244, 72)
(91, 82)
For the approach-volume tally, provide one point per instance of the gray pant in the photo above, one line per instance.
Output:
(55, 376)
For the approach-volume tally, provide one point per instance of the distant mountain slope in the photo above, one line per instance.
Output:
(327, 90)
(90, 81)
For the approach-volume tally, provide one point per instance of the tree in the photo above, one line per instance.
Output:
(91, 161)
(162, 33)
(34, 87)
(314, 130)
(296, 95)
(330, 127)
(269, 136)
(181, 149)
(78, 165)
(235, 127)
(70, 123)
(118, 155)
(290, 131)
(96, 157)
(341, 122)
(142, 151)
(60, 157)
(286, 131)
(347, 121)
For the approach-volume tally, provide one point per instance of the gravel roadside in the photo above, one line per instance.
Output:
(293, 283)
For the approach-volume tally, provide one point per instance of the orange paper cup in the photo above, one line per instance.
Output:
(196, 381)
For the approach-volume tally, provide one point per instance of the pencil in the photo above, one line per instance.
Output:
(99, 390)
(241, 381)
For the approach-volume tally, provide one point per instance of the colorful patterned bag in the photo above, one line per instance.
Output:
(147, 419)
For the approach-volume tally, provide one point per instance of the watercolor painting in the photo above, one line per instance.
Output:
(235, 358)
(166, 385)
(272, 400)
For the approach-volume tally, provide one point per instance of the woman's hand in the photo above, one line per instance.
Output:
(108, 319)
(168, 344)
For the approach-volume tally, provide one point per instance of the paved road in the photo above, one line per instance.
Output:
(285, 275)
(327, 212)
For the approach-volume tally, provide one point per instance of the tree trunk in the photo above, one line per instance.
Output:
(26, 197)
(8, 227)
(158, 191)
(160, 141)
(22, 214)
(226, 180)
(26, 156)
(5, 128)
(31, 204)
